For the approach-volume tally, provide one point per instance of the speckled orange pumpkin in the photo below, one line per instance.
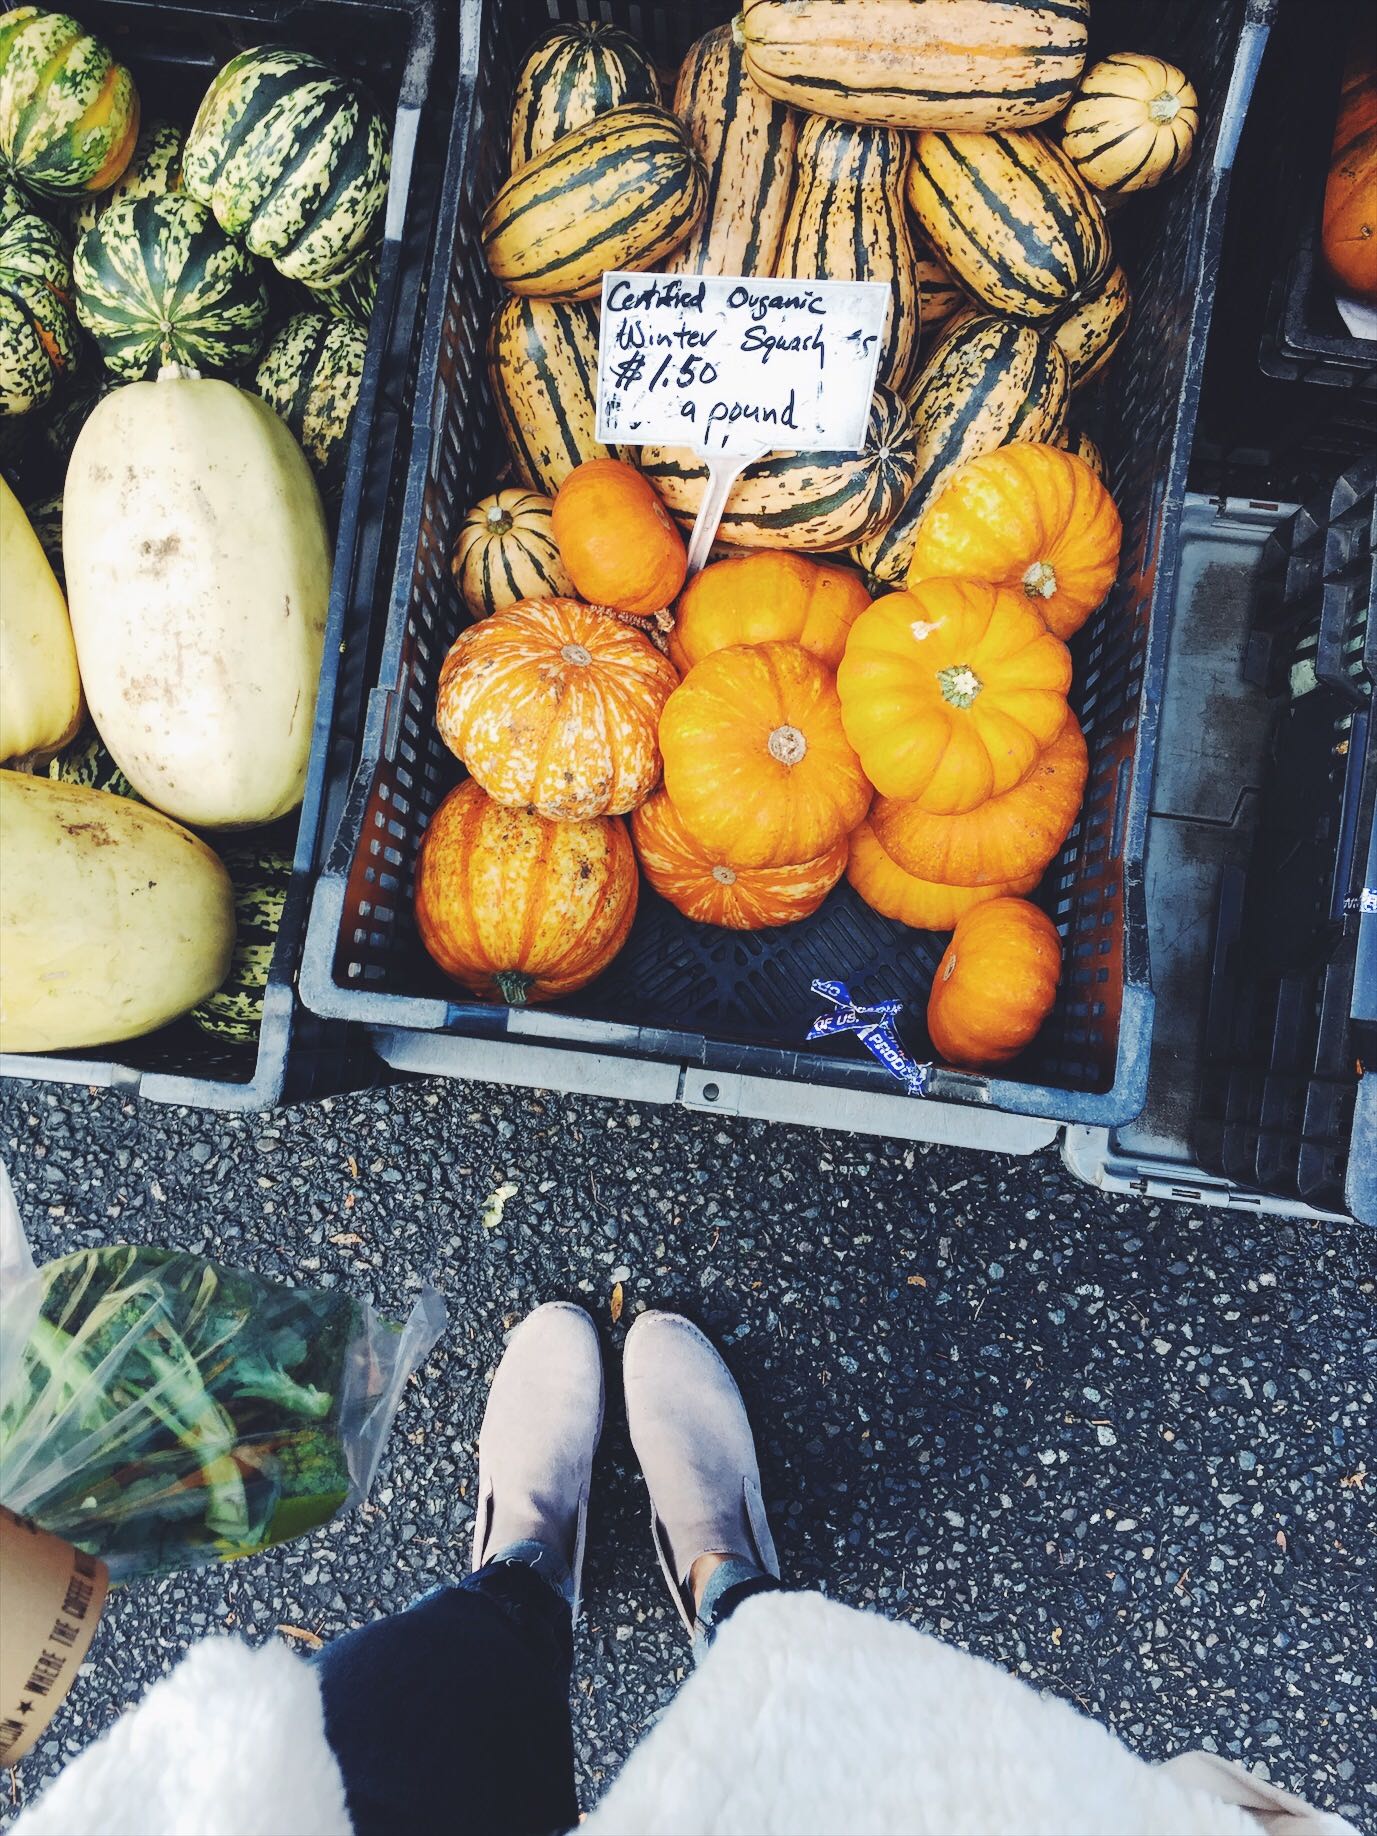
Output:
(553, 706)
(710, 892)
(517, 908)
(621, 546)
(995, 984)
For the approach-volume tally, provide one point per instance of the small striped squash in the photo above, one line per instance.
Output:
(261, 877)
(746, 143)
(972, 65)
(811, 502)
(293, 161)
(1076, 440)
(69, 114)
(941, 296)
(1132, 124)
(1089, 334)
(619, 192)
(989, 381)
(354, 297)
(1011, 218)
(847, 221)
(311, 373)
(543, 373)
(159, 282)
(570, 77)
(87, 762)
(505, 551)
(154, 169)
(38, 334)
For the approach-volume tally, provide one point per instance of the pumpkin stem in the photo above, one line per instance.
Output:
(724, 876)
(578, 654)
(787, 745)
(959, 684)
(1040, 582)
(497, 521)
(513, 984)
(171, 372)
(738, 30)
(1164, 106)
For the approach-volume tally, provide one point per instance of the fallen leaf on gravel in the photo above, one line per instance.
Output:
(352, 1165)
(495, 1204)
(302, 1636)
(917, 1281)
(615, 1306)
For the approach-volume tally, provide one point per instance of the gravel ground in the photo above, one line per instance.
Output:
(1122, 1449)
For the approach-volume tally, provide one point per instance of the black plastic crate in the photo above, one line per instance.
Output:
(404, 51)
(1290, 1018)
(730, 1003)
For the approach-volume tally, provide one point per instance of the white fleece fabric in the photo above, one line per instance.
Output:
(808, 1719)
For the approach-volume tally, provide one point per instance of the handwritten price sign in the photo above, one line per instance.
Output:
(730, 366)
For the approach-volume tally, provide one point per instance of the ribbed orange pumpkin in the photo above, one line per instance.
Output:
(553, 706)
(1007, 838)
(621, 546)
(710, 892)
(995, 984)
(767, 598)
(925, 904)
(1031, 518)
(756, 762)
(950, 692)
(519, 909)
(1349, 232)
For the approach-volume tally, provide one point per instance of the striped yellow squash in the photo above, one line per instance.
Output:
(1090, 332)
(746, 143)
(571, 76)
(619, 192)
(543, 372)
(989, 382)
(847, 221)
(505, 551)
(1132, 123)
(940, 294)
(1078, 441)
(806, 501)
(1012, 219)
(972, 65)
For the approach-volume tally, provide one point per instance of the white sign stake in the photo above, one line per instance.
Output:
(735, 368)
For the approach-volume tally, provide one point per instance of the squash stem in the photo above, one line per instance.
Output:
(787, 745)
(1040, 582)
(959, 684)
(514, 985)
(1164, 106)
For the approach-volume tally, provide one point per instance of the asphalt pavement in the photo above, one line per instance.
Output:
(1123, 1449)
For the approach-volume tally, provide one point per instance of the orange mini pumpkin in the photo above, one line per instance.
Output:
(927, 905)
(995, 984)
(950, 692)
(517, 908)
(767, 598)
(1007, 838)
(1032, 518)
(756, 762)
(1349, 222)
(621, 546)
(554, 706)
(710, 892)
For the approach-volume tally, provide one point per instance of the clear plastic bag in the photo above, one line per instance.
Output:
(161, 1411)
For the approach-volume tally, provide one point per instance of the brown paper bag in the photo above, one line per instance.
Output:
(51, 1597)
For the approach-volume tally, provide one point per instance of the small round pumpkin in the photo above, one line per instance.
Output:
(950, 692)
(554, 706)
(69, 114)
(517, 908)
(767, 598)
(1031, 518)
(995, 984)
(1349, 220)
(925, 905)
(1007, 838)
(1132, 123)
(1089, 332)
(710, 892)
(620, 545)
(756, 762)
(505, 551)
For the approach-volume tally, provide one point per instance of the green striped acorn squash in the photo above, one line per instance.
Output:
(988, 382)
(505, 551)
(620, 192)
(1089, 332)
(847, 221)
(812, 502)
(45, 519)
(311, 373)
(293, 160)
(352, 298)
(745, 140)
(159, 282)
(261, 876)
(69, 114)
(67, 413)
(543, 374)
(571, 76)
(1011, 217)
(964, 64)
(86, 761)
(154, 169)
(38, 332)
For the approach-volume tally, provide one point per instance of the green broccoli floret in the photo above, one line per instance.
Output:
(314, 1477)
(255, 1374)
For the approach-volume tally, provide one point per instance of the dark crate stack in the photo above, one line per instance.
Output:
(1292, 1012)
(404, 52)
(742, 1003)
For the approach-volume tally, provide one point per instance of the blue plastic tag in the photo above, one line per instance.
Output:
(875, 1027)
